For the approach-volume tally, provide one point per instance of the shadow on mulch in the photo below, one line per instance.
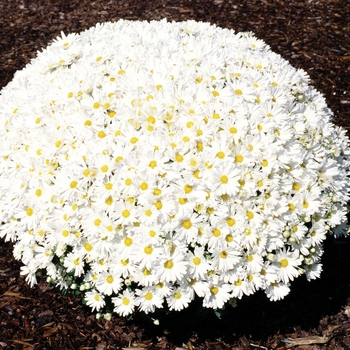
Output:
(255, 315)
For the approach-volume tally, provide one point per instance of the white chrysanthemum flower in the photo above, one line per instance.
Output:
(287, 263)
(95, 300)
(74, 262)
(277, 290)
(172, 265)
(219, 293)
(148, 299)
(159, 171)
(124, 304)
(198, 264)
(30, 273)
(179, 298)
(108, 283)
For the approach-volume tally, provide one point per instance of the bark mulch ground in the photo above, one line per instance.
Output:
(311, 34)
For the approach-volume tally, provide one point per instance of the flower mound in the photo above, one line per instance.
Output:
(144, 163)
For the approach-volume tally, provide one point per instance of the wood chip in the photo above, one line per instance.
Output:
(305, 341)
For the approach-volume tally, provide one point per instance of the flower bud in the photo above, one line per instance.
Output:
(155, 321)
(307, 261)
(292, 239)
(271, 257)
(301, 271)
(233, 302)
(87, 286)
(107, 316)
(286, 234)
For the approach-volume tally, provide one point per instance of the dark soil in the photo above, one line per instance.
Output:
(311, 34)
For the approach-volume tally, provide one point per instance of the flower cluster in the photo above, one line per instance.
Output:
(146, 163)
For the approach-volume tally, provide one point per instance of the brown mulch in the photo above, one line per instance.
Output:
(311, 34)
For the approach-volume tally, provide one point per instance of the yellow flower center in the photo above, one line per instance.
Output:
(224, 179)
(108, 186)
(188, 188)
(88, 247)
(144, 186)
(296, 186)
(104, 168)
(128, 241)
(214, 290)
(250, 215)
(196, 260)
(283, 262)
(179, 158)
(158, 205)
(239, 158)
(230, 221)
(109, 200)
(229, 238)
(291, 206)
(220, 155)
(73, 184)
(152, 164)
(223, 254)
(148, 250)
(169, 264)
(149, 296)
(187, 224)
(125, 213)
(216, 232)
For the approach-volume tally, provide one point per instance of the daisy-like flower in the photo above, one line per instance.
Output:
(171, 266)
(148, 299)
(74, 262)
(30, 272)
(219, 293)
(124, 304)
(198, 264)
(224, 180)
(240, 287)
(277, 290)
(108, 283)
(145, 254)
(179, 298)
(95, 300)
(287, 263)
(225, 258)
